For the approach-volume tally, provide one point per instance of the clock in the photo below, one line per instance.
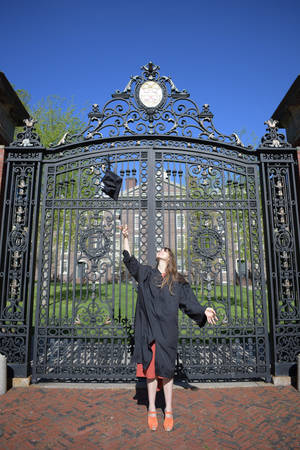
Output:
(150, 94)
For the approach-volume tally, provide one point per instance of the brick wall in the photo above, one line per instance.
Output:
(2, 156)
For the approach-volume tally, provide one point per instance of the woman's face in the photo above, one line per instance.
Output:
(163, 254)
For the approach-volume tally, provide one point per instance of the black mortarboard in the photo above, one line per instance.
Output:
(111, 184)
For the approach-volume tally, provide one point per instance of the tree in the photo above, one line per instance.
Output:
(248, 138)
(55, 116)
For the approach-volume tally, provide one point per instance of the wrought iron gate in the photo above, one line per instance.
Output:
(201, 196)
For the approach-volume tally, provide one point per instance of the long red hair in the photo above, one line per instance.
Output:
(172, 275)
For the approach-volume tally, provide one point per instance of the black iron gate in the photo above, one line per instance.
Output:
(201, 196)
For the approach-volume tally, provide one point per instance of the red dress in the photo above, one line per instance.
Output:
(150, 371)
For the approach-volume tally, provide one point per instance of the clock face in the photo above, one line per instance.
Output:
(150, 94)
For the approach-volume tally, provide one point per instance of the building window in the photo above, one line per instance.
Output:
(136, 221)
(180, 222)
(136, 240)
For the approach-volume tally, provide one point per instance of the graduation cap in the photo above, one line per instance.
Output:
(111, 184)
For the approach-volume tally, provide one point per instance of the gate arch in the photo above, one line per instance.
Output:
(186, 186)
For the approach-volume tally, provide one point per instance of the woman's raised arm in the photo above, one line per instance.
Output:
(136, 269)
(124, 229)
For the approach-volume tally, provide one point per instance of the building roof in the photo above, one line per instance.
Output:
(11, 103)
(292, 97)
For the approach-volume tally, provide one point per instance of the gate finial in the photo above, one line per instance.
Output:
(272, 138)
(150, 70)
(28, 137)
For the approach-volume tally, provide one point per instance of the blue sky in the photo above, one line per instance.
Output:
(240, 57)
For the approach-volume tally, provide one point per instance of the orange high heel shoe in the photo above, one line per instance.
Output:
(168, 422)
(152, 420)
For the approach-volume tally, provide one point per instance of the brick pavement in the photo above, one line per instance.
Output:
(223, 418)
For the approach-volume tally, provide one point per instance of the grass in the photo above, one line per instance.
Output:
(68, 303)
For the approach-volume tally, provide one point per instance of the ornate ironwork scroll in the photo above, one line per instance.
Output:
(150, 104)
(279, 189)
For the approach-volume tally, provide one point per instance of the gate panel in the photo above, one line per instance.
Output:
(208, 210)
(85, 305)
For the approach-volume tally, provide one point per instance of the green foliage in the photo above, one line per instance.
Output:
(248, 138)
(25, 98)
(55, 116)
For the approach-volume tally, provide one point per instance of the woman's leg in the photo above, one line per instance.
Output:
(168, 391)
(151, 387)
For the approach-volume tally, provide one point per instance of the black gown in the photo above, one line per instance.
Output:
(156, 316)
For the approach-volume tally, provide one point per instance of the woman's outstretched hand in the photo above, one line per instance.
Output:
(124, 229)
(211, 316)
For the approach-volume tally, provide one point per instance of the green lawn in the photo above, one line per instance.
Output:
(67, 304)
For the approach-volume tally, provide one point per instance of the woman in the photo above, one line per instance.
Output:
(161, 291)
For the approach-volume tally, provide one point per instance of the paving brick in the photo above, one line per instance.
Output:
(241, 418)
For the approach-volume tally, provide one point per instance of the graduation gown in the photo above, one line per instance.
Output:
(156, 316)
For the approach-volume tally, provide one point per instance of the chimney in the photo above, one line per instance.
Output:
(130, 183)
